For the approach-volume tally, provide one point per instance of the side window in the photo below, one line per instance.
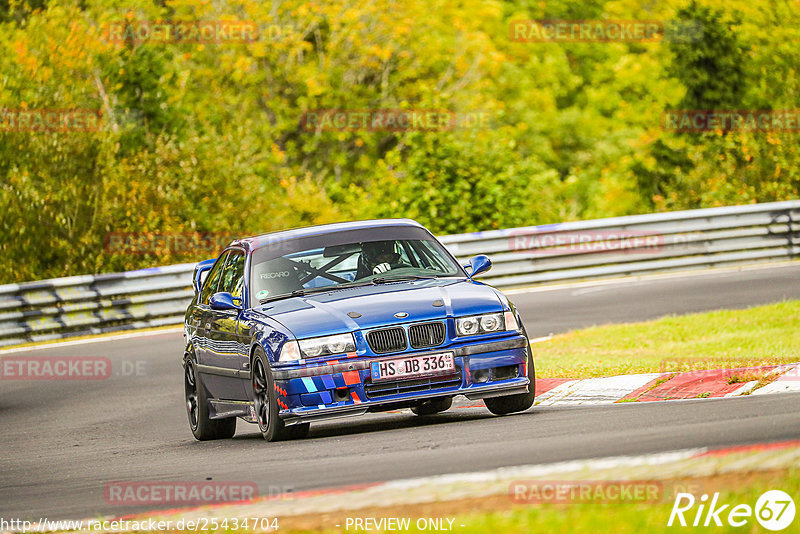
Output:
(233, 275)
(210, 286)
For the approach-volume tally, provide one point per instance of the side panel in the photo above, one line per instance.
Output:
(224, 359)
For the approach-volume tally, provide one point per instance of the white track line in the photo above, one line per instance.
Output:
(540, 470)
(100, 339)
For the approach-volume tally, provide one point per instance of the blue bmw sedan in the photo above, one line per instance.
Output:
(338, 320)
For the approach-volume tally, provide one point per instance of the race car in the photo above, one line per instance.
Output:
(339, 320)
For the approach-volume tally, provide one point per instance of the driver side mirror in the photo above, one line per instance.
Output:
(479, 264)
(223, 301)
(201, 273)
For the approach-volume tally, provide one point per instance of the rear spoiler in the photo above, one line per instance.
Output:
(200, 269)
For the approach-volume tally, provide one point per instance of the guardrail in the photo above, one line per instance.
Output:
(613, 247)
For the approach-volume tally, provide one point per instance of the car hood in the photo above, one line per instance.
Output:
(373, 306)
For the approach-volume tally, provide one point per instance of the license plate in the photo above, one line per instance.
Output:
(413, 366)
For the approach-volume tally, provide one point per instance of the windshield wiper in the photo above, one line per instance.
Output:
(402, 278)
(325, 289)
(313, 290)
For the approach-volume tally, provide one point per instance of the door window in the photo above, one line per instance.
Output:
(210, 286)
(233, 275)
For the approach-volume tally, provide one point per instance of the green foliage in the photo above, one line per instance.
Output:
(451, 186)
(712, 66)
(207, 137)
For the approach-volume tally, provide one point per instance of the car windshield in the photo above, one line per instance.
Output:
(308, 265)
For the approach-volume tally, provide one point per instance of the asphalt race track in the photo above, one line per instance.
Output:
(62, 441)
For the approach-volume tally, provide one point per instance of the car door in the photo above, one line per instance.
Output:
(200, 315)
(225, 355)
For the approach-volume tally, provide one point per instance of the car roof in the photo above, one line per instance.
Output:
(255, 242)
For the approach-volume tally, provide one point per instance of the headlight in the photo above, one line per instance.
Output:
(491, 323)
(290, 352)
(468, 326)
(321, 346)
(480, 324)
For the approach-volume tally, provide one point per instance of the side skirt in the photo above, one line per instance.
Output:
(226, 408)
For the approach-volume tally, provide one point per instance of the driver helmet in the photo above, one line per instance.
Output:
(375, 252)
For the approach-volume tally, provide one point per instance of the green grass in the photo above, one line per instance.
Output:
(622, 518)
(619, 518)
(761, 335)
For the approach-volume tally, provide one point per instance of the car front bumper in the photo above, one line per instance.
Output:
(344, 388)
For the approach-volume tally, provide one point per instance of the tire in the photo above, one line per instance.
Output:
(266, 403)
(515, 403)
(434, 406)
(203, 428)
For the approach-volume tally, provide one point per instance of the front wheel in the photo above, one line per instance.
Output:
(266, 404)
(515, 403)
(203, 428)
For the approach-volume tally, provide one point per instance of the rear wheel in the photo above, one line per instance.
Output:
(433, 406)
(515, 403)
(266, 404)
(203, 428)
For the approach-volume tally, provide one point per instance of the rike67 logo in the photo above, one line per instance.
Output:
(774, 510)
